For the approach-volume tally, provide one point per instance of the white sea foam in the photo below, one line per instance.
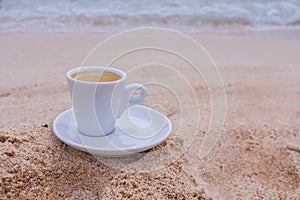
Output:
(100, 15)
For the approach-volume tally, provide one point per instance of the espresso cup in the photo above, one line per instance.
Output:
(98, 103)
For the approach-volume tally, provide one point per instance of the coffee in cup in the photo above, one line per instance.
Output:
(96, 76)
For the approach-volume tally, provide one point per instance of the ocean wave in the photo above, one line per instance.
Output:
(100, 15)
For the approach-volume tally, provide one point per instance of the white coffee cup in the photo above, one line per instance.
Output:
(97, 105)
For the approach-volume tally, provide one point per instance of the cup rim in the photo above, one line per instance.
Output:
(96, 68)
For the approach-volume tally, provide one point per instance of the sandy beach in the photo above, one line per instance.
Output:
(256, 157)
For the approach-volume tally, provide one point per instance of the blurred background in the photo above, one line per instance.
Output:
(115, 15)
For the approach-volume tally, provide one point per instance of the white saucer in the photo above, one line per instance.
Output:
(138, 129)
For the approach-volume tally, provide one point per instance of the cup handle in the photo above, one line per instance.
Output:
(136, 99)
(133, 99)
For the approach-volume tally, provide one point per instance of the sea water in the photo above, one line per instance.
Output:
(187, 16)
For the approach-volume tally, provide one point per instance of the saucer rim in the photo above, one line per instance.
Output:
(117, 150)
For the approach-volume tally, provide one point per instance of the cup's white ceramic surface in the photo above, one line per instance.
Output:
(97, 105)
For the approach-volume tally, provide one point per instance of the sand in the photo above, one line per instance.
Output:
(256, 157)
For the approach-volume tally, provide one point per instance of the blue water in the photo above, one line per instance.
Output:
(100, 15)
